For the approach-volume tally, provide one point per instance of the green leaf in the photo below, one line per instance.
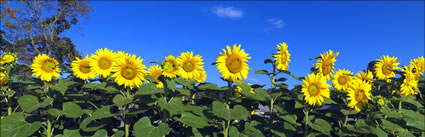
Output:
(150, 78)
(411, 100)
(208, 86)
(173, 106)
(268, 61)
(71, 110)
(413, 119)
(233, 132)
(321, 125)
(63, 85)
(189, 119)
(101, 133)
(259, 94)
(391, 126)
(261, 72)
(291, 118)
(102, 86)
(46, 102)
(15, 126)
(118, 134)
(380, 133)
(120, 100)
(70, 133)
(282, 79)
(55, 112)
(144, 128)
(171, 84)
(251, 129)
(184, 82)
(149, 89)
(183, 91)
(28, 103)
(238, 113)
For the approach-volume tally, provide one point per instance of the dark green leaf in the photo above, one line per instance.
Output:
(189, 119)
(144, 128)
(15, 126)
(28, 103)
(119, 100)
(71, 110)
(149, 89)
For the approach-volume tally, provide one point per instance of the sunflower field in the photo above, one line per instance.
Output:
(112, 93)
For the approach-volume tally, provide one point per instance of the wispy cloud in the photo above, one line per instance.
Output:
(227, 12)
(275, 23)
(278, 23)
(252, 80)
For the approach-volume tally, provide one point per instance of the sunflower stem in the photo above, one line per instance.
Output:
(127, 129)
(49, 127)
(306, 120)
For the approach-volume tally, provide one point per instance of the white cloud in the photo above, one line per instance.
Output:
(252, 80)
(275, 23)
(227, 12)
(278, 23)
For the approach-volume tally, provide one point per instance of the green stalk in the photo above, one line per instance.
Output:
(273, 80)
(49, 127)
(224, 128)
(305, 122)
(127, 129)
(9, 108)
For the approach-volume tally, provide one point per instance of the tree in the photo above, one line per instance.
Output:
(33, 27)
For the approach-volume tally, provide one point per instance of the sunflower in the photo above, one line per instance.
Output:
(156, 71)
(102, 62)
(326, 64)
(359, 94)
(129, 71)
(232, 64)
(419, 63)
(201, 77)
(365, 75)
(314, 89)
(82, 69)
(170, 67)
(282, 57)
(45, 67)
(190, 66)
(341, 79)
(382, 66)
(8, 58)
(410, 83)
(120, 54)
(238, 91)
(3, 76)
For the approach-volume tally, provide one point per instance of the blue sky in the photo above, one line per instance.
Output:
(360, 31)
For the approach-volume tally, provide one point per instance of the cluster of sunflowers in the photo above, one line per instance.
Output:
(128, 70)
(358, 86)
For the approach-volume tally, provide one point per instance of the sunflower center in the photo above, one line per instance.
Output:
(188, 66)
(169, 67)
(155, 75)
(105, 63)
(234, 63)
(342, 80)
(385, 69)
(129, 72)
(360, 95)
(313, 90)
(283, 58)
(326, 67)
(49, 66)
(85, 67)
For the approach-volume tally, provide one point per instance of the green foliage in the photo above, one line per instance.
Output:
(69, 107)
